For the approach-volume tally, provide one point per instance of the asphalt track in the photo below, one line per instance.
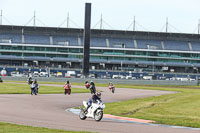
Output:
(49, 111)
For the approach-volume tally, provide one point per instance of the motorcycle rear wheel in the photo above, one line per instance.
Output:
(113, 90)
(82, 115)
(98, 115)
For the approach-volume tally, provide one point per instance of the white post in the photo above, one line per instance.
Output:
(101, 21)
(167, 25)
(199, 27)
(68, 20)
(1, 17)
(134, 24)
(34, 24)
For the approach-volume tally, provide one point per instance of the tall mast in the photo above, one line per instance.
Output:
(34, 24)
(68, 20)
(134, 24)
(199, 27)
(101, 21)
(167, 25)
(1, 17)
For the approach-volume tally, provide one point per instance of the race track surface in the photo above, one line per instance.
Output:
(49, 111)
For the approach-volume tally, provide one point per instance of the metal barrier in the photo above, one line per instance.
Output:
(106, 81)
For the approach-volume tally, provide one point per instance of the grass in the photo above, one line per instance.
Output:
(10, 88)
(180, 109)
(13, 128)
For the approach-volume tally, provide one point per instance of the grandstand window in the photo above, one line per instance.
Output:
(6, 47)
(16, 54)
(63, 56)
(16, 47)
(74, 50)
(30, 48)
(5, 53)
(141, 59)
(152, 53)
(28, 54)
(42, 55)
(115, 58)
(130, 52)
(72, 56)
(62, 50)
(50, 49)
(95, 57)
(96, 51)
(140, 53)
(51, 55)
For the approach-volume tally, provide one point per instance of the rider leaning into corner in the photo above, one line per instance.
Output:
(92, 85)
(94, 99)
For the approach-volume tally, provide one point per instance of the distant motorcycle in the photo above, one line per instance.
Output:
(34, 89)
(95, 111)
(112, 89)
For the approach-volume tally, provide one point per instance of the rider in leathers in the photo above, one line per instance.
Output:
(94, 99)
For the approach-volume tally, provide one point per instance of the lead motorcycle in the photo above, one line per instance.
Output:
(95, 111)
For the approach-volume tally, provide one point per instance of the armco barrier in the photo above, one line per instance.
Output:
(115, 81)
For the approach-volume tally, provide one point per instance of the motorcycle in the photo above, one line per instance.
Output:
(112, 88)
(34, 89)
(94, 111)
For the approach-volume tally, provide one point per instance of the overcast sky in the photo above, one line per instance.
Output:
(183, 15)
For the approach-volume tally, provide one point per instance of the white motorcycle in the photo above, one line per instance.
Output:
(94, 111)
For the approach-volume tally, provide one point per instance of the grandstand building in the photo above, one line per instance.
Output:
(110, 49)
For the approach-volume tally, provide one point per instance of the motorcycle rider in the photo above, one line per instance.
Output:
(67, 88)
(94, 99)
(87, 84)
(34, 87)
(110, 85)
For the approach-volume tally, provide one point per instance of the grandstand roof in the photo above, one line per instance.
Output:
(99, 33)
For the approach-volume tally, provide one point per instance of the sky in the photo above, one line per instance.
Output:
(150, 15)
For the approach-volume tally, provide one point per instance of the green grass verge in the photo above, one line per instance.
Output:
(180, 109)
(10, 88)
(13, 128)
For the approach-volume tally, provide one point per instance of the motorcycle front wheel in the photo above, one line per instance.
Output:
(82, 115)
(98, 115)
